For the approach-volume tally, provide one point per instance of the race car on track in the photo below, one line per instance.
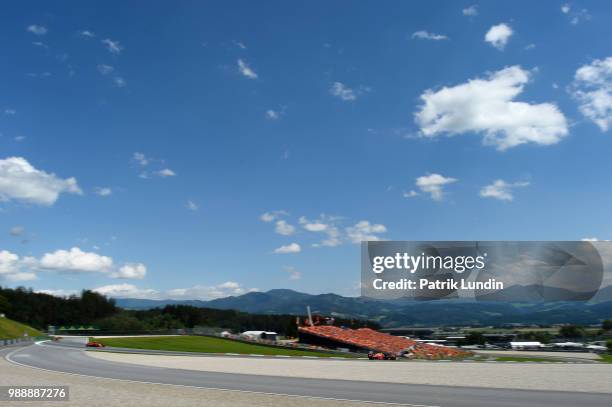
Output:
(94, 344)
(381, 356)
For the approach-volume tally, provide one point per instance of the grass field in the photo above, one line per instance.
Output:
(525, 359)
(10, 329)
(606, 358)
(204, 344)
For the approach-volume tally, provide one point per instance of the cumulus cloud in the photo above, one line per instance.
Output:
(76, 260)
(410, 194)
(87, 34)
(105, 69)
(103, 191)
(14, 268)
(470, 11)
(328, 225)
(487, 106)
(343, 92)
(272, 215)
(499, 35)
(165, 173)
(119, 82)
(37, 29)
(592, 88)
(294, 274)
(501, 189)
(433, 184)
(126, 291)
(20, 181)
(114, 47)
(284, 228)
(245, 70)
(290, 248)
(141, 159)
(136, 271)
(17, 231)
(272, 114)
(424, 35)
(364, 230)
(192, 205)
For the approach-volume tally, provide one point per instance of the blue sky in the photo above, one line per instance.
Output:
(202, 149)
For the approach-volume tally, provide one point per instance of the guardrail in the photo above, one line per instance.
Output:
(15, 341)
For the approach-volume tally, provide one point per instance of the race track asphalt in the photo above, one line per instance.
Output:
(74, 360)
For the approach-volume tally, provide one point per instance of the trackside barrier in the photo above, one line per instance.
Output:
(16, 341)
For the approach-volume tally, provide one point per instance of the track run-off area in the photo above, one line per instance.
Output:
(407, 383)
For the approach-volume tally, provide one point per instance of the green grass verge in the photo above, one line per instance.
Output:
(606, 358)
(205, 344)
(527, 359)
(10, 329)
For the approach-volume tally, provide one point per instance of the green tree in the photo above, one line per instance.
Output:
(609, 345)
(5, 306)
(475, 338)
(607, 325)
(571, 331)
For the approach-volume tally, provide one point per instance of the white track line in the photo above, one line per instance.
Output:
(8, 358)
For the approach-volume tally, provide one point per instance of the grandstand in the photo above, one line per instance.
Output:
(366, 339)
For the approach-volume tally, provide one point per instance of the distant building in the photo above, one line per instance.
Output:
(525, 345)
(267, 335)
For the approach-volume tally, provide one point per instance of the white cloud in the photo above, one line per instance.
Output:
(575, 16)
(498, 35)
(17, 231)
(103, 191)
(10, 112)
(284, 228)
(119, 82)
(327, 225)
(20, 181)
(290, 248)
(272, 215)
(410, 194)
(19, 139)
(125, 291)
(9, 262)
(141, 159)
(58, 293)
(486, 105)
(239, 44)
(501, 189)
(105, 69)
(229, 288)
(245, 70)
(40, 44)
(313, 226)
(192, 206)
(136, 271)
(589, 239)
(424, 35)
(76, 260)
(272, 114)
(21, 276)
(294, 274)
(343, 92)
(87, 34)
(364, 230)
(470, 11)
(37, 29)
(166, 172)
(592, 87)
(433, 184)
(114, 47)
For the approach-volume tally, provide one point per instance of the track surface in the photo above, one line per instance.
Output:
(75, 361)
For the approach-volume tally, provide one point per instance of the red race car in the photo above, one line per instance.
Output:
(381, 356)
(94, 344)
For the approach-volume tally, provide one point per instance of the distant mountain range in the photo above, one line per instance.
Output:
(403, 312)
